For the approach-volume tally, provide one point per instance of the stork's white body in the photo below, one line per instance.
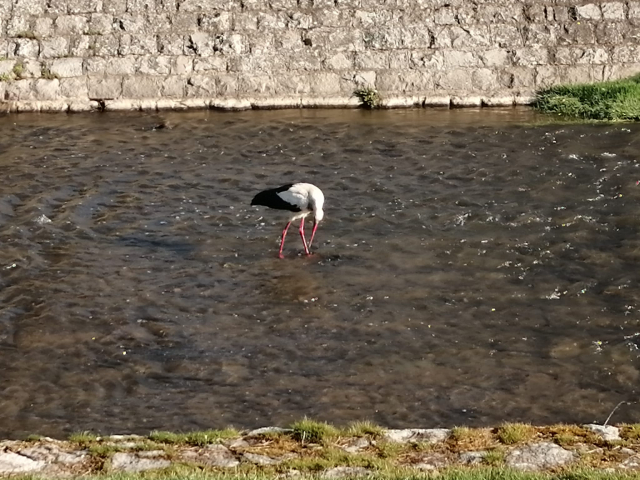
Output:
(302, 199)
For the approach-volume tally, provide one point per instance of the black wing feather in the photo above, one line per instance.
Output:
(270, 198)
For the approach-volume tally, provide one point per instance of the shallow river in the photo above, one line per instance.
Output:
(473, 267)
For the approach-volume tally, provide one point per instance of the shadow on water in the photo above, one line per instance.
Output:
(475, 266)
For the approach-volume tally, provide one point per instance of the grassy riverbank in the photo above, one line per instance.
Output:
(617, 100)
(310, 449)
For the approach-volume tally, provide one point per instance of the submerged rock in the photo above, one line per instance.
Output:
(409, 435)
(11, 462)
(344, 472)
(53, 454)
(130, 462)
(539, 456)
(217, 456)
(606, 432)
(472, 458)
(356, 444)
(268, 430)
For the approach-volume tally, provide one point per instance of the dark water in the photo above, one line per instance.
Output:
(473, 267)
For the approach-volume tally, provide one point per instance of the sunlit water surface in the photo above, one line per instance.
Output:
(473, 267)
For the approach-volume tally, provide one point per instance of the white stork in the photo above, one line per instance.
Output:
(300, 198)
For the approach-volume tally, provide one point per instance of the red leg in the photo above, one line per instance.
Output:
(313, 233)
(284, 234)
(304, 240)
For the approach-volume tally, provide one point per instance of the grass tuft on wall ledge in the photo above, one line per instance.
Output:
(616, 100)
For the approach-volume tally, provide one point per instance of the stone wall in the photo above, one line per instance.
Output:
(86, 54)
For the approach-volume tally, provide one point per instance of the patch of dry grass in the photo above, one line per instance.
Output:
(464, 438)
(513, 433)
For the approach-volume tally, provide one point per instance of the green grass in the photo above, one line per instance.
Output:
(631, 432)
(494, 458)
(83, 438)
(512, 433)
(363, 429)
(369, 97)
(18, 70)
(487, 473)
(196, 439)
(312, 431)
(615, 100)
(48, 74)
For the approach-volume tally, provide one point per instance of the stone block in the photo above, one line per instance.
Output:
(445, 16)
(104, 88)
(174, 86)
(141, 86)
(31, 68)
(200, 43)
(243, 21)
(19, 26)
(226, 84)
(299, 20)
(132, 23)
(530, 56)
(577, 33)
(625, 54)
(216, 63)
(309, 60)
(590, 11)
(74, 87)
(26, 47)
(20, 90)
(538, 34)
(455, 79)
(547, 76)
(85, 6)
(43, 27)
(613, 33)
(171, 44)
(517, 78)
(484, 80)
(6, 66)
(29, 7)
(421, 59)
(106, 45)
(335, 40)
(82, 46)
(137, 45)
(634, 10)
(341, 61)
(141, 6)
(201, 86)
(616, 72)
(581, 56)
(182, 65)
(489, 13)
(405, 82)
(67, 67)
(458, 58)
(155, 65)
(209, 5)
(332, 17)
(272, 20)
(47, 89)
(71, 24)
(184, 22)
(216, 22)
(100, 24)
(612, 10)
(497, 57)
(114, 7)
(288, 40)
(371, 20)
(535, 13)
(506, 36)
(324, 83)
(54, 47)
